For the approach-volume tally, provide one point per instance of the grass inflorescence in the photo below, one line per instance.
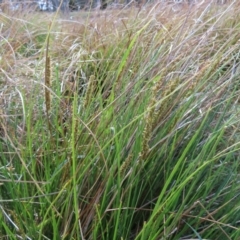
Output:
(121, 124)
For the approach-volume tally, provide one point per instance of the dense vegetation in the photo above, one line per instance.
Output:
(121, 124)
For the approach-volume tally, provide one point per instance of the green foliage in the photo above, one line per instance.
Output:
(140, 139)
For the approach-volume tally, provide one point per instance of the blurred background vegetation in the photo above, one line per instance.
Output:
(75, 5)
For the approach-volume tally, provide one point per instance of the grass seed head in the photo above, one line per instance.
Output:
(48, 84)
(90, 90)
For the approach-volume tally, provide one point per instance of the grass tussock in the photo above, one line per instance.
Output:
(122, 124)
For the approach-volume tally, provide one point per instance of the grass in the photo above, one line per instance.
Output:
(122, 124)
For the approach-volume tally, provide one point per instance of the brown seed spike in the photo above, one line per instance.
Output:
(48, 84)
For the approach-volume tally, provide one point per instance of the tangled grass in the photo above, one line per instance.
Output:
(122, 124)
